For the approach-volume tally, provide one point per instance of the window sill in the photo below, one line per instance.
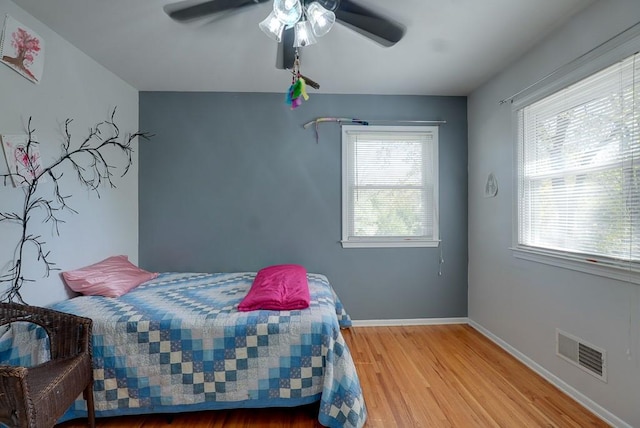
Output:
(409, 243)
(602, 267)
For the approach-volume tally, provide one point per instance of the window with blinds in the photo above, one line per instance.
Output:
(389, 186)
(579, 169)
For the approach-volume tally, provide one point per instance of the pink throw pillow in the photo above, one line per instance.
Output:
(111, 277)
(278, 288)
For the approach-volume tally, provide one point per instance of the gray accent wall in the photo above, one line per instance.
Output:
(232, 182)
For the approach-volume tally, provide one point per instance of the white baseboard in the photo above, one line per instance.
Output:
(585, 401)
(404, 322)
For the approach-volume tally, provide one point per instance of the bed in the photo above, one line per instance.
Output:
(178, 343)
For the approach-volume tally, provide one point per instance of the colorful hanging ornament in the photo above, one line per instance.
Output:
(298, 89)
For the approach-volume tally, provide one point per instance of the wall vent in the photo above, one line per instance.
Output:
(582, 354)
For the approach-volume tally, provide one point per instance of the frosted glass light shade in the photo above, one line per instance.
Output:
(272, 27)
(304, 35)
(287, 11)
(321, 19)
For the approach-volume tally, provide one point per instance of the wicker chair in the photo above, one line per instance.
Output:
(36, 397)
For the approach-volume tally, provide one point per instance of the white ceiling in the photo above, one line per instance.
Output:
(450, 47)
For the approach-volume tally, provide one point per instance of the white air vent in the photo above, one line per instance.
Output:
(582, 354)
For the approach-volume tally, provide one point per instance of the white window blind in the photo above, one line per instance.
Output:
(579, 169)
(390, 186)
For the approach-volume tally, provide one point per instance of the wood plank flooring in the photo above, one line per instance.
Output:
(418, 376)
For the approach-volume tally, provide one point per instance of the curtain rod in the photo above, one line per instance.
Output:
(365, 122)
(621, 37)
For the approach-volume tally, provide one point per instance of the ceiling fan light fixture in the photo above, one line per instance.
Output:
(272, 27)
(320, 18)
(287, 11)
(303, 35)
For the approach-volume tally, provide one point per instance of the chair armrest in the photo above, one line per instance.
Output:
(71, 334)
(68, 334)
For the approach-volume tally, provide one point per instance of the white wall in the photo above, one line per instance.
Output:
(73, 86)
(523, 302)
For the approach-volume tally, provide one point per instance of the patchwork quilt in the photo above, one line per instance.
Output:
(178, 343)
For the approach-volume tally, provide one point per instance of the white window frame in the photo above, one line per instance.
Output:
(601, 266)
(380, 241)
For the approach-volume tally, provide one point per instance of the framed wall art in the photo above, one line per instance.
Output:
(23, 159)
(22, 49)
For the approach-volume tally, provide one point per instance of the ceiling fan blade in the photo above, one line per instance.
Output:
(190, 9)
(287, 54)
(370, 24)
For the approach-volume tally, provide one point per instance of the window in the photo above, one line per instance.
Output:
(579, 171)
(389, 186)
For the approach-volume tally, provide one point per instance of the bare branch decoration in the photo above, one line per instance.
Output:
(92, 170)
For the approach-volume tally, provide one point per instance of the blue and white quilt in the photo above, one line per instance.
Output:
(178, 343)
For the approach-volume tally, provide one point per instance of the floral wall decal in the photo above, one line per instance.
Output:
(89, 161)
(22, 49)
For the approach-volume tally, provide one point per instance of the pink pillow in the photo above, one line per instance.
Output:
(278, 288)
(112, 277)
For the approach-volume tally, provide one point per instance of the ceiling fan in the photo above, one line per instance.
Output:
(358, 18)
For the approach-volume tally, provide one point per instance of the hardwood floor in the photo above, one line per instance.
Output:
(419, 376)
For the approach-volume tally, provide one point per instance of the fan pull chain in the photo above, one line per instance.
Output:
(296, 68)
